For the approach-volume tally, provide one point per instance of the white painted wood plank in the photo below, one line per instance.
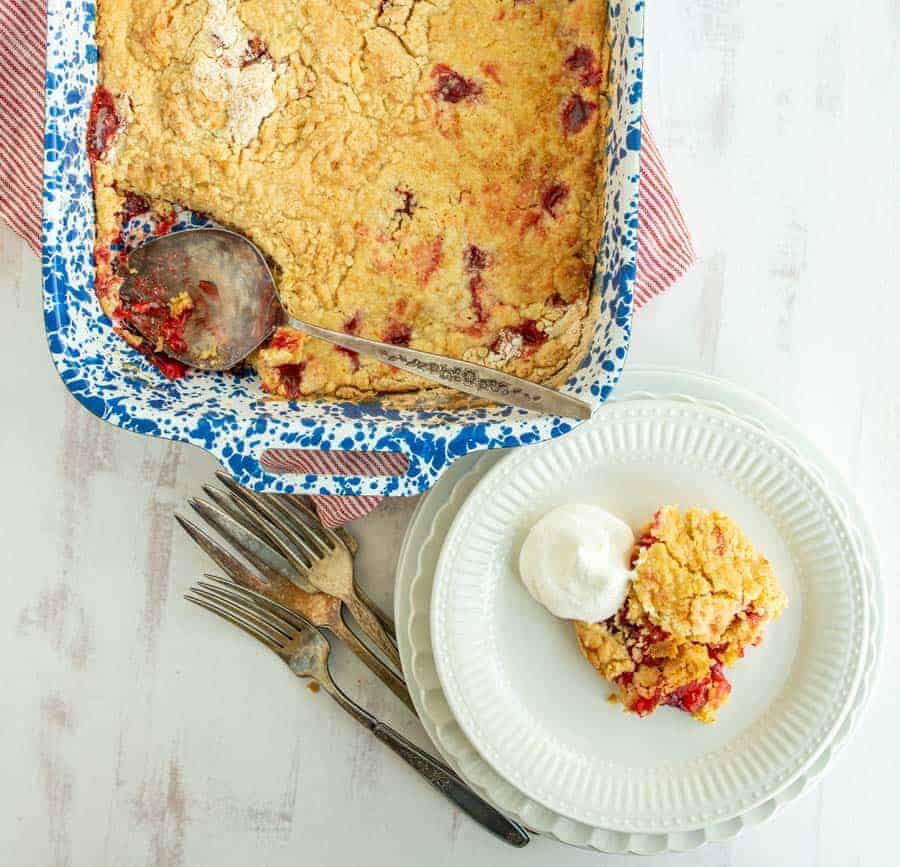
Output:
(135, 729)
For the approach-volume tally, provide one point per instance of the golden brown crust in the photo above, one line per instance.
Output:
(701, 594)
(423, 173)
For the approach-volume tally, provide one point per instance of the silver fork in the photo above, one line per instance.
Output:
(239, 512)
(300, 508)
(306, 651)
(318, 555)
(321, 609)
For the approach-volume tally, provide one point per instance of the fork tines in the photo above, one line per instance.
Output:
(264, 618)
(292, 540)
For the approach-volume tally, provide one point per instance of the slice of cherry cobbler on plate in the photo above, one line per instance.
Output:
(700, 595)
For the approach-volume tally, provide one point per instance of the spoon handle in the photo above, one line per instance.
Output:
(484, 382)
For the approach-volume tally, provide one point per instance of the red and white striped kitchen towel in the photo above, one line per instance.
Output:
(664, 253)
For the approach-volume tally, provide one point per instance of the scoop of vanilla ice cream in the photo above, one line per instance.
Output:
(576, 561)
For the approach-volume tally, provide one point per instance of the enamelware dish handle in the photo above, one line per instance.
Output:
(380, 473)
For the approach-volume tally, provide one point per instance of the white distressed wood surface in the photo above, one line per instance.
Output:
(136, 730)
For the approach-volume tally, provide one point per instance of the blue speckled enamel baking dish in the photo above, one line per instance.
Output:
(226, 414)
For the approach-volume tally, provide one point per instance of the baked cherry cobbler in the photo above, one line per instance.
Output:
(700, 596)
(427, 174)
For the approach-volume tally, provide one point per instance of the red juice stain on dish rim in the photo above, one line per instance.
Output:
(170, 368)
(165, 223)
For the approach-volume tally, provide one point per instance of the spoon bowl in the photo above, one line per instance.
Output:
(233, 303)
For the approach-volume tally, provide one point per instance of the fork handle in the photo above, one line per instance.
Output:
(434, 771)
(373, 630)
(450, 786)
(380, 615)
(384, 674)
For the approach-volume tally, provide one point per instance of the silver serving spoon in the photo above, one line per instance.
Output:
(236, 308)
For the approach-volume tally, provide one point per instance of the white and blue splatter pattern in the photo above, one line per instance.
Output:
(226, 414)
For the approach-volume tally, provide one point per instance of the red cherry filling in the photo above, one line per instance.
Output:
(429, 258)
(165, 223)
(172, 333)
(103, 279)
(409, 201)
(717, 651)
(170, 368)
(476, 290)
(283, 339)
(689, 698)
(398, 333)
(103, 123)
(475, 261)
(532, 336)
(583, 61)
(753, 616)
(474, 258)
(693, 697)
(643, 705)
(351, 326)
(291, 376)
(255, 50)
(351, 355)
(450, 86)
(553, 198)
(153, 319)
(132, 206)
(576, 113)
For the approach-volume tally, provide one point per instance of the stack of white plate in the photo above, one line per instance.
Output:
(501, 686)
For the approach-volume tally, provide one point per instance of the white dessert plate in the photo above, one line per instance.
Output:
(538, 713)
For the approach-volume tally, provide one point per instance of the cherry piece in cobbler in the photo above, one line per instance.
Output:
(576, 113)
(450, 86)
(103, 124)
(553, 198)
(583, 61)
(398, 333)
